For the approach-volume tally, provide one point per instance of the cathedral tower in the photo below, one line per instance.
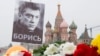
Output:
(63, 31)
(48, 33)
(72, 33)
(58, 19)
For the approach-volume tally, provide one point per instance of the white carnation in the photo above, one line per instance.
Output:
(51, 50)
(67, 48)
(55, 55)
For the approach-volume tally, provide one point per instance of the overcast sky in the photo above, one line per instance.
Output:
(81, 11)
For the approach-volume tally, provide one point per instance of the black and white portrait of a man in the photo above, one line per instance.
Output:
(28, 23)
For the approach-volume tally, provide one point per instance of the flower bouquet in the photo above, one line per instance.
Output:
(69, 49)
(19, 53)
(57, 49)
(17, 50)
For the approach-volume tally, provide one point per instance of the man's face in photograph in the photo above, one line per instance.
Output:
(30, 18)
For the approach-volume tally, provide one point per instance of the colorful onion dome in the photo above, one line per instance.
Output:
(64, 24)
(73, 26)
(48, 24)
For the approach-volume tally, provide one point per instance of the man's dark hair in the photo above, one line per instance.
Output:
(33, 6)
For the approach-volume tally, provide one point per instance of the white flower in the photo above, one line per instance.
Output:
(16, 53)
(61, 47)
(67, 48)
(55, 55)
(51, 50)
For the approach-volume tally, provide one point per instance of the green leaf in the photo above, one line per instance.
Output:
(40, 50)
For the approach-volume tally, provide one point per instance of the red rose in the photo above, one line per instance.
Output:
(82, 50)
(26, 53)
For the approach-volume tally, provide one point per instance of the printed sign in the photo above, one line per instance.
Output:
(28, 23)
